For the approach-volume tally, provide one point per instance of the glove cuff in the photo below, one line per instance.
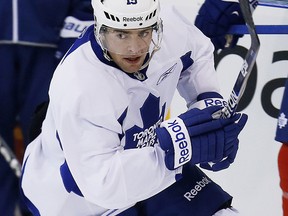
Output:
(163, 138)
(180, 140)
(208, 99)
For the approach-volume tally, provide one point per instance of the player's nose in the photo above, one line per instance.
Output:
(137, 46)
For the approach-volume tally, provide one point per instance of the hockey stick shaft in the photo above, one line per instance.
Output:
(247, 6)
(10, 158)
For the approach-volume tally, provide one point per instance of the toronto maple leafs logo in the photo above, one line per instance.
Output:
(282, 121)
(137, 137)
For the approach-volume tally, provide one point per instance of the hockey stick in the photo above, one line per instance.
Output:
(247, 6)
(10, 158)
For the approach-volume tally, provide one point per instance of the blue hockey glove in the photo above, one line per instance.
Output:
(224, 164)
(214, 19)
(207, 99)
(195, 136)
(231, 149)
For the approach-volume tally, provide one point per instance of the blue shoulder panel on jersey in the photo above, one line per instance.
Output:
(187, 61)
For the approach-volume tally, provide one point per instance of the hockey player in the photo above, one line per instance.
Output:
(105, 148)
(30, 37)
(282, 137)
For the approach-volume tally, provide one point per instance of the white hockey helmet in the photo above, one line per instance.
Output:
(126, 14)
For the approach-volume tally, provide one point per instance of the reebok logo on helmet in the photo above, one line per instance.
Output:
(133, 19)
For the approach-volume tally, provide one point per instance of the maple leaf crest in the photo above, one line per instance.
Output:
(137, 137)
(282, 121)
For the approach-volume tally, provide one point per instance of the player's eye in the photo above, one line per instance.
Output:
(144, 34)
(121, 35)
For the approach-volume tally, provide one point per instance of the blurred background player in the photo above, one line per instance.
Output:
(282, 137)
(33, 38)
(214, 19)
(104, 128)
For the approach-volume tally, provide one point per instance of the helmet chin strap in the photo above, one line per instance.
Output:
(138, 74)
(106, 55)
(156, 48)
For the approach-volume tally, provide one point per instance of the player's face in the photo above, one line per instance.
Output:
(128, 48)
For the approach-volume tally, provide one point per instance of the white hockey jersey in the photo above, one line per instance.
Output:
(98, 150)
